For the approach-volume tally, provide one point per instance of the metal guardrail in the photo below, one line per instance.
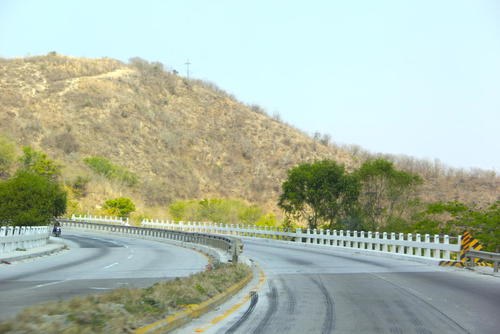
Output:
(232, 246)
(431, 247)
(493, 257)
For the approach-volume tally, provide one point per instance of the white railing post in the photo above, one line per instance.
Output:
(437, 251)
(401, 247)
(446, 252)
(385, 246)
(427, 250)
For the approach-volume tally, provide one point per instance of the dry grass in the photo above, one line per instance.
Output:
(123, 310)
(185, 139)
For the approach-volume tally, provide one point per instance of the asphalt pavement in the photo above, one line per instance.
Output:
(93, 263)
(336, 291)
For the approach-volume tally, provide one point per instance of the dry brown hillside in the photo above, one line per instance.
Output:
(184, 138)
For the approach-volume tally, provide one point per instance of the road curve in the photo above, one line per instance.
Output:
(333, 291)
(94, 263)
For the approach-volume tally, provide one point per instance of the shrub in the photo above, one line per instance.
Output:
(227, 211)
(104, 167)
(30, 199)
(121, 206)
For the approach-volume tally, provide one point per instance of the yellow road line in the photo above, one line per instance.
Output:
(214, 321)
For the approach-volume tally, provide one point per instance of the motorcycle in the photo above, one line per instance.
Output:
(56, 231)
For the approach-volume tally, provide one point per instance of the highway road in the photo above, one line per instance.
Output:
(94, 263)
(333, 291)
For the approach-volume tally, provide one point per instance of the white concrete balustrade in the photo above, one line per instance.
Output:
(101, 219)
(435, 247)
(23, 237)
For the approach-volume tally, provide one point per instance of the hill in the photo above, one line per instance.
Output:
(185, 139)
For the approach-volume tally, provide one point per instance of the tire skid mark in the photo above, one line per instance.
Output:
(253, 301)
(271, 310)
(416, 296)
(291, 297)
(329, 323)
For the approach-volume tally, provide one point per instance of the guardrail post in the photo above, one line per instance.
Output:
(369, 244)
(427, 250)
(385, 247)
(409, 250)
(393, 247)
(377, 246)
(437, 252)
(418, 250)
(446, 242)
(328, 240)
(298, 232)
(401, 249)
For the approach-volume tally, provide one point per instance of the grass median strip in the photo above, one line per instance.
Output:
(125, 310)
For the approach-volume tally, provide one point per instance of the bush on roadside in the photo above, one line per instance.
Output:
(30, 199)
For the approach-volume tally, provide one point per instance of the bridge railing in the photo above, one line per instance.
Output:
(101, 219)
(230, 245)
(23, 237)
(435, 247)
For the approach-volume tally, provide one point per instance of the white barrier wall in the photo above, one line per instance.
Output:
(101, 219)
(435, 247)
(23, 237)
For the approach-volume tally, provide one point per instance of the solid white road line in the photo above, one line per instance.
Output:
(111, 265)
(47, 284)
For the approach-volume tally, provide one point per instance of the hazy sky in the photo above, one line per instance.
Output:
(419, 77)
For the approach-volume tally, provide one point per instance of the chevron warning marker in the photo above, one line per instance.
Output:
(468, 242)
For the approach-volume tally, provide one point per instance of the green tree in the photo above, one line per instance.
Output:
(319, 192)
(455, 217)
(7, 156)
(37, 162)
(121, 206)
(386, 193)
(29, 199)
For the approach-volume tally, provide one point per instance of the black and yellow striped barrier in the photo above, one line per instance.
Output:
(468, 243)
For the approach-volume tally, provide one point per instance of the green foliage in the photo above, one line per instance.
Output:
(319, 192)
(104, 167)
(386, 193)
(227, 211)
(7, 156)
(30, 199)
(37, 162)
(121, 206)
(267, 220)
(454, 218)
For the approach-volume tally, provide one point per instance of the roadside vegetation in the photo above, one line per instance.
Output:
(378, 197)
(30, 195)
(124, 310)
(227, 211)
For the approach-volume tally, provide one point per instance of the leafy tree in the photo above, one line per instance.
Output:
(30, 199)
(386, 193)
(121, 206)
(37, 162)
(319, 192)
(7, 156)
